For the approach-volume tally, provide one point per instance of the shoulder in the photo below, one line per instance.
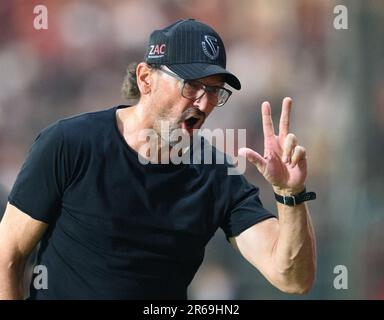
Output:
(87, 128)
(84, 122)
(79, 132)
(80, 122)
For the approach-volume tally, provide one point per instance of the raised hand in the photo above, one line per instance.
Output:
(284, 164)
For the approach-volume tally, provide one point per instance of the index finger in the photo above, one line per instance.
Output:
(267, 120)
(285, 117)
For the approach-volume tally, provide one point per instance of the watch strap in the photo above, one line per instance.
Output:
(295, 199)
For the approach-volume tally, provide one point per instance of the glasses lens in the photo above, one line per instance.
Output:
(195, 90)
(222, 98)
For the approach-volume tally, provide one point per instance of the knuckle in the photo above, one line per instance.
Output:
(301, 149)
(292, 138)
(290, 135)
(299, 153)
(285, 121)
(290, 142)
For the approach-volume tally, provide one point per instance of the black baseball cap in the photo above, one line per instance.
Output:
(190, 49)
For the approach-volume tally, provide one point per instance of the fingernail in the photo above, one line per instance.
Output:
(285, 159)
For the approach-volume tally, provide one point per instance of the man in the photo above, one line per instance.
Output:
(113, 227)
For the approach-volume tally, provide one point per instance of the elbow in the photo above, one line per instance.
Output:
(296, 281)
(297, 286)
(10, 266)
(296, 278)
(11, 262)
(11, 279)
(299, 289)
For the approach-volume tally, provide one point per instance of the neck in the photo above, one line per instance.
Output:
(131, 123)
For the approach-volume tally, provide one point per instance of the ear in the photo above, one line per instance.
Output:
(144, 78)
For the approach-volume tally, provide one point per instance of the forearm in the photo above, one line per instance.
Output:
(294, 252)
(11, 280)
(19, 234)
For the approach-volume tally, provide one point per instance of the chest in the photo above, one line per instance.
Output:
(176, 210)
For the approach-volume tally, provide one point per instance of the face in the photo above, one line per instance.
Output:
(176, 111)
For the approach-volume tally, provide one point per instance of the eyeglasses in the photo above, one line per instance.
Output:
(195, 89)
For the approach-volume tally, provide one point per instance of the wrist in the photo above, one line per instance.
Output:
(288, 191)
(293, 196)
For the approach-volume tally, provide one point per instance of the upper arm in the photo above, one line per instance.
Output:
(42, 179)
(256, 244)
(19, 233)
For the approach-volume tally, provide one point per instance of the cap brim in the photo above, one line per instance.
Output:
(194, 71)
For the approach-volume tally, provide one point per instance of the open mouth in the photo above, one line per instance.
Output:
(192, 119)
(192, 123)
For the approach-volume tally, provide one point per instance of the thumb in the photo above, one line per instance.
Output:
(253, 157)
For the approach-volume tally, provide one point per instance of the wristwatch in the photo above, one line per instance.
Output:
(295, 199)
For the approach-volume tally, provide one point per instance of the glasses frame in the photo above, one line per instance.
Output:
(205, 87)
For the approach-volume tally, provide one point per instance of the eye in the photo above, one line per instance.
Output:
(195, 85)
(214, 90)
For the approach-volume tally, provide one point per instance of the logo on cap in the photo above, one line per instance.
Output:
(156, 51)
(210, 47)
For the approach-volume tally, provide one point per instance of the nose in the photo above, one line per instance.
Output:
(203, 104)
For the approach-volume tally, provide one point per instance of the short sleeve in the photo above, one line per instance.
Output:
(39, 186)
(245, 209)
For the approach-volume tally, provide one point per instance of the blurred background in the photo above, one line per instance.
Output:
(277, 48)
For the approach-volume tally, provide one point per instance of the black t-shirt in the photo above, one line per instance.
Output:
(119, 229)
